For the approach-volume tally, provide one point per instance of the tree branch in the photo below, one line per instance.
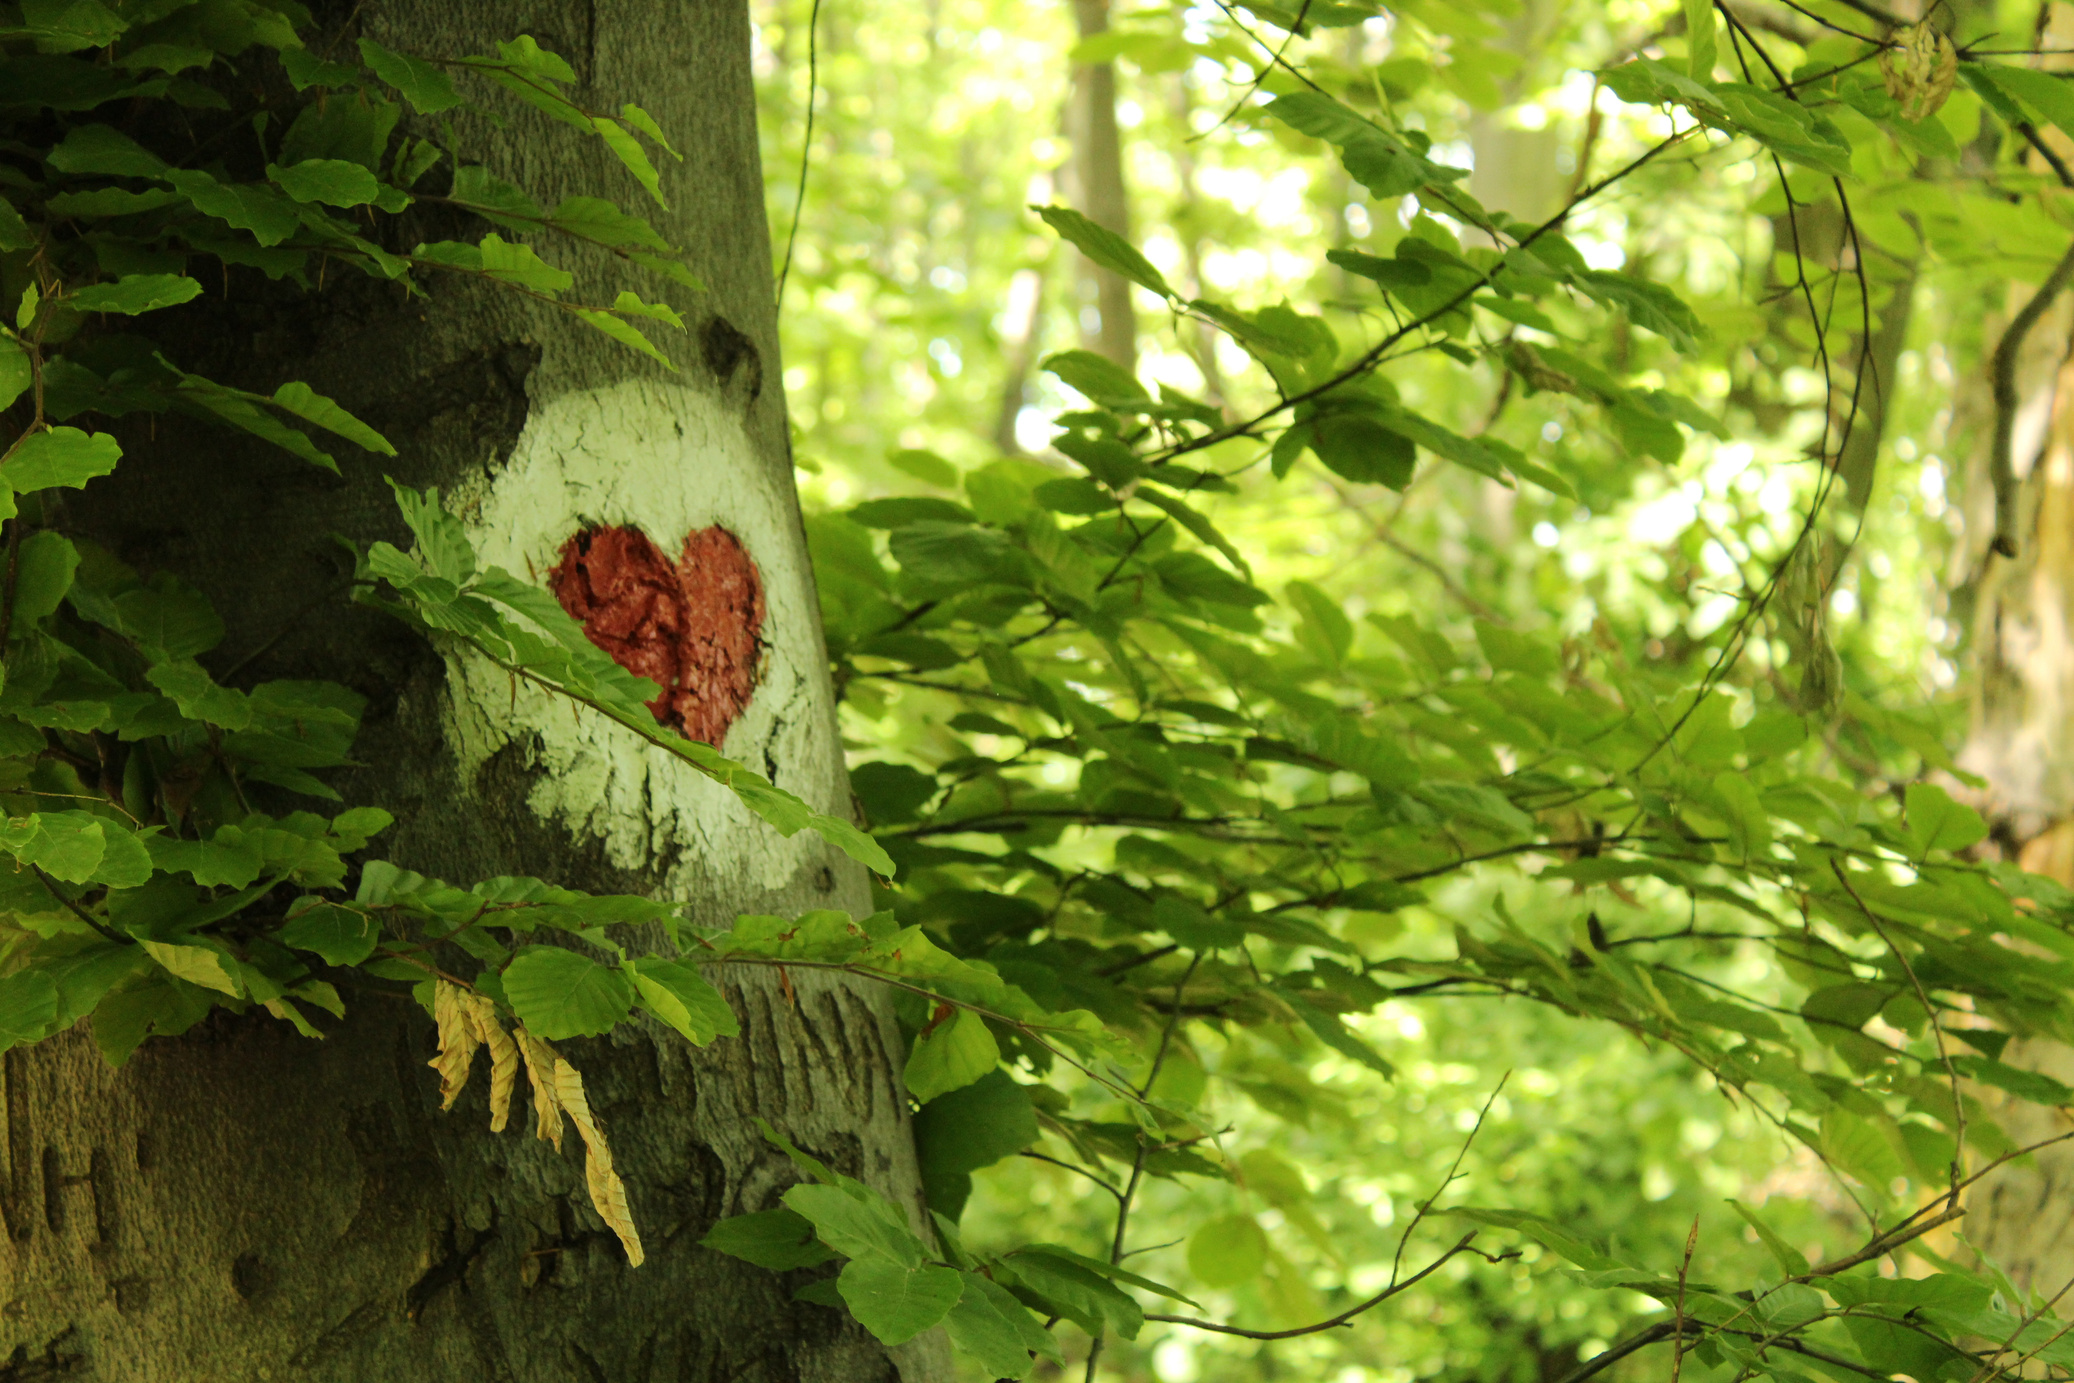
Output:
(1461, 1246)
(2001, 464)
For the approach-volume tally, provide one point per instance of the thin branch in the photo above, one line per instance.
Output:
(1461, 1246)
(1944, 1055)
(106, 932)
(1071, 1167)
(2001, 464)
(1607, 1358)
(806, 143)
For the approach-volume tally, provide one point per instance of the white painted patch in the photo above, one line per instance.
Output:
(668, 460)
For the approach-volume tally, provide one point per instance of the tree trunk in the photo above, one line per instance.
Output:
(2022, 644)
(1096, 174)
(244, 1204)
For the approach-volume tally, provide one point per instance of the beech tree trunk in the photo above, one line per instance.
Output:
(245, 1204)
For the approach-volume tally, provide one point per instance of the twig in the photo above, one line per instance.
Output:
(1678, 1316)
(106, 932)
(2001, 464)
(1461, 1246)
(1130, 1189)
(1607, 1358)
(1944, 1055)
(1061, 1162)
(1426, 1205)
(806, 143)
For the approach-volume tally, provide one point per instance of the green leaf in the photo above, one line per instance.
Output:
(903, 510)
(202, 965)
(331, 181)
(778, 1239)
(1791, 1259)
(305, 69)
(622, 331)
(951, 1055)
(28, 1007)
(644, 122)
(628, 151)
(1935, 822)
(65, 845)
(2034, 1086)
(101, 149)
(1647, 82)
(1376, 158)
(428, 89)
(14, 231)
(1363, 450)
(44, 564)
(558, 993)
(514, 263)
(1096, 376)
(2043, 92)
(1748, 821)
(15, 373)
(312, 407)
(1647, 304)
(925, 466)
(1079, 1292)
(198, 696)
(1329, 1029)
(59, 456)
(1105, 247)
(972, 1127)
(136, 293)
(1699, 39)
(896, 1303)
(675, 992)
(998, 1331)
(66, 26)
(594, 218)
(340, 935)
(858, 1224)
(251, 207)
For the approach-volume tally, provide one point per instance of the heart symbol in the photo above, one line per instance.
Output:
(693, 626)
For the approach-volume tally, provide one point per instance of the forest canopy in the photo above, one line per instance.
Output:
(1601, 404)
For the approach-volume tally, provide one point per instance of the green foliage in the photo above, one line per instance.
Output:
(1257, 835)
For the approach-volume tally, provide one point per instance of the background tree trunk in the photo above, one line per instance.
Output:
(244, 1204)
(1097, 190)
(2022, 644)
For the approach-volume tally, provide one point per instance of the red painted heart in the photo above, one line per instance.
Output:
(692, 626)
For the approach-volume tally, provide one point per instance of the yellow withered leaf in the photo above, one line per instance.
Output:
(540, 1075)
(1919, 69)
(457, 1040)
(504, 1058)
(608, 1192)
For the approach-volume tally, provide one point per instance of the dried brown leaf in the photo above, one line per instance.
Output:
(540, 1062)
(457, 1040)
(504, 1058)
(608, 1192)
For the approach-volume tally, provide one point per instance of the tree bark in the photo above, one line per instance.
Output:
(244, 1204)
(1096, 172)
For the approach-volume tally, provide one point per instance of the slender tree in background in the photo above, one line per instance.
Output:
(1095, 186)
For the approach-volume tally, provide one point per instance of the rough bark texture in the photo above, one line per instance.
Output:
(245, 1204)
